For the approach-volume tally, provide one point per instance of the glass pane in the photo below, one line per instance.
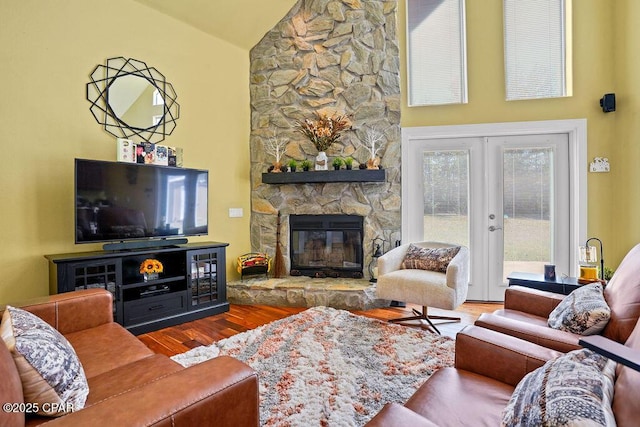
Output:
(330, 244)
(527, 201)
(446, 196)
(326, 248)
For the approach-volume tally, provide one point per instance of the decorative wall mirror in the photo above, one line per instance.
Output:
(131, 99)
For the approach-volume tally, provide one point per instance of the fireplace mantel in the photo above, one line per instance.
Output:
(343, 175)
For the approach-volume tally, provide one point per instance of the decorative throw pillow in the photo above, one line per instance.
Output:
(433, 259)
(575, 389)
(584, 311)
(53, 379)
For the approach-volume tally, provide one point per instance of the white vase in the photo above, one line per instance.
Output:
(322, 161)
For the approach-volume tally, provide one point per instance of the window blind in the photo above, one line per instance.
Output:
(535, 49)
(436, 52)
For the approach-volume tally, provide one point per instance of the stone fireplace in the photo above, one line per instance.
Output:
(332, 56)
(326, 245)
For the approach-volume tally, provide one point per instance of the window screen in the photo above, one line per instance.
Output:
(535, 49)
(436, 52)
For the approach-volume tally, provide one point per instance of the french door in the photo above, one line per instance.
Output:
(508, 198)
(528, 206)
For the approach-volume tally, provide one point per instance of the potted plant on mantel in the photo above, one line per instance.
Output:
(337, 163)
(322, 133)
(348, 163)
(306, 165)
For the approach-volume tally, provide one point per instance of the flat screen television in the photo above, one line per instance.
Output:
(128, 202)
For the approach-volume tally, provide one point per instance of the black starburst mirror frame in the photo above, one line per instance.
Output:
(103, 76)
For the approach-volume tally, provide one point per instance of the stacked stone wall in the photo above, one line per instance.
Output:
(331, 56)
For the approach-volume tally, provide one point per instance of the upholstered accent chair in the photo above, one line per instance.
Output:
(441, 282)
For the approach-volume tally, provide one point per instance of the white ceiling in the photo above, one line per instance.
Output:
(240, 22)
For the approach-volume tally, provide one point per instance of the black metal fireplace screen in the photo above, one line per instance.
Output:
(326, 245)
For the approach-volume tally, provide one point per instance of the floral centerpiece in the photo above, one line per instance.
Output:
(325, 130)
(151, 268)
(322, 133)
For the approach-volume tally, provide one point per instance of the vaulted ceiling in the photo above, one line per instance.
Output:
(240, 22)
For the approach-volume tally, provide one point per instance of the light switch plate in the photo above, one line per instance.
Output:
(236, 213)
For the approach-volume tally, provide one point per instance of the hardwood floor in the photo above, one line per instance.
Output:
(240, 318)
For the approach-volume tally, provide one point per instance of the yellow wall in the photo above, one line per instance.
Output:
(47, 50)
(593, 76)
(622, 212)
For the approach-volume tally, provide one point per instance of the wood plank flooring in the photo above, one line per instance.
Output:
(240, 318)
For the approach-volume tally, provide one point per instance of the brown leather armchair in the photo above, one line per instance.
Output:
(526, 310)
(129, 384)
(488, 366)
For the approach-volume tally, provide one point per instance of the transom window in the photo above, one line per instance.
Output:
(536, 49)
(436, 52)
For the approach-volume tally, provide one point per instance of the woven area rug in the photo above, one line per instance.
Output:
(328, 367)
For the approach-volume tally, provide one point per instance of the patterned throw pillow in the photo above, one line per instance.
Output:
(575, 389)
(432, 259)
(584, 311)
(53, 379)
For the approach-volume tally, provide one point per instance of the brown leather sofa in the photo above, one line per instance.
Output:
(129, 385)
(526, 310)
(488, 366)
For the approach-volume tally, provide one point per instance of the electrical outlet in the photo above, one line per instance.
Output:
(236, 213)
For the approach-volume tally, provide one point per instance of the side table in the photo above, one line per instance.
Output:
(562, 285)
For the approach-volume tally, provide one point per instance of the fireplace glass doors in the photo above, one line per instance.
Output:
(329, 245)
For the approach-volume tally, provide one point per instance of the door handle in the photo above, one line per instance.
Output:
(494, 228)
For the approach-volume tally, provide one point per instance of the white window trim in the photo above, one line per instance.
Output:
(575, 128)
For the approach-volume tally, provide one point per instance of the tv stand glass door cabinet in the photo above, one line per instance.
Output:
(191, 286)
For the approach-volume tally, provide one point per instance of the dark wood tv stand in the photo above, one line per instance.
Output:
(193, 284)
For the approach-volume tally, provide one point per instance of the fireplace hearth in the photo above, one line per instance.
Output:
(326, 245)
